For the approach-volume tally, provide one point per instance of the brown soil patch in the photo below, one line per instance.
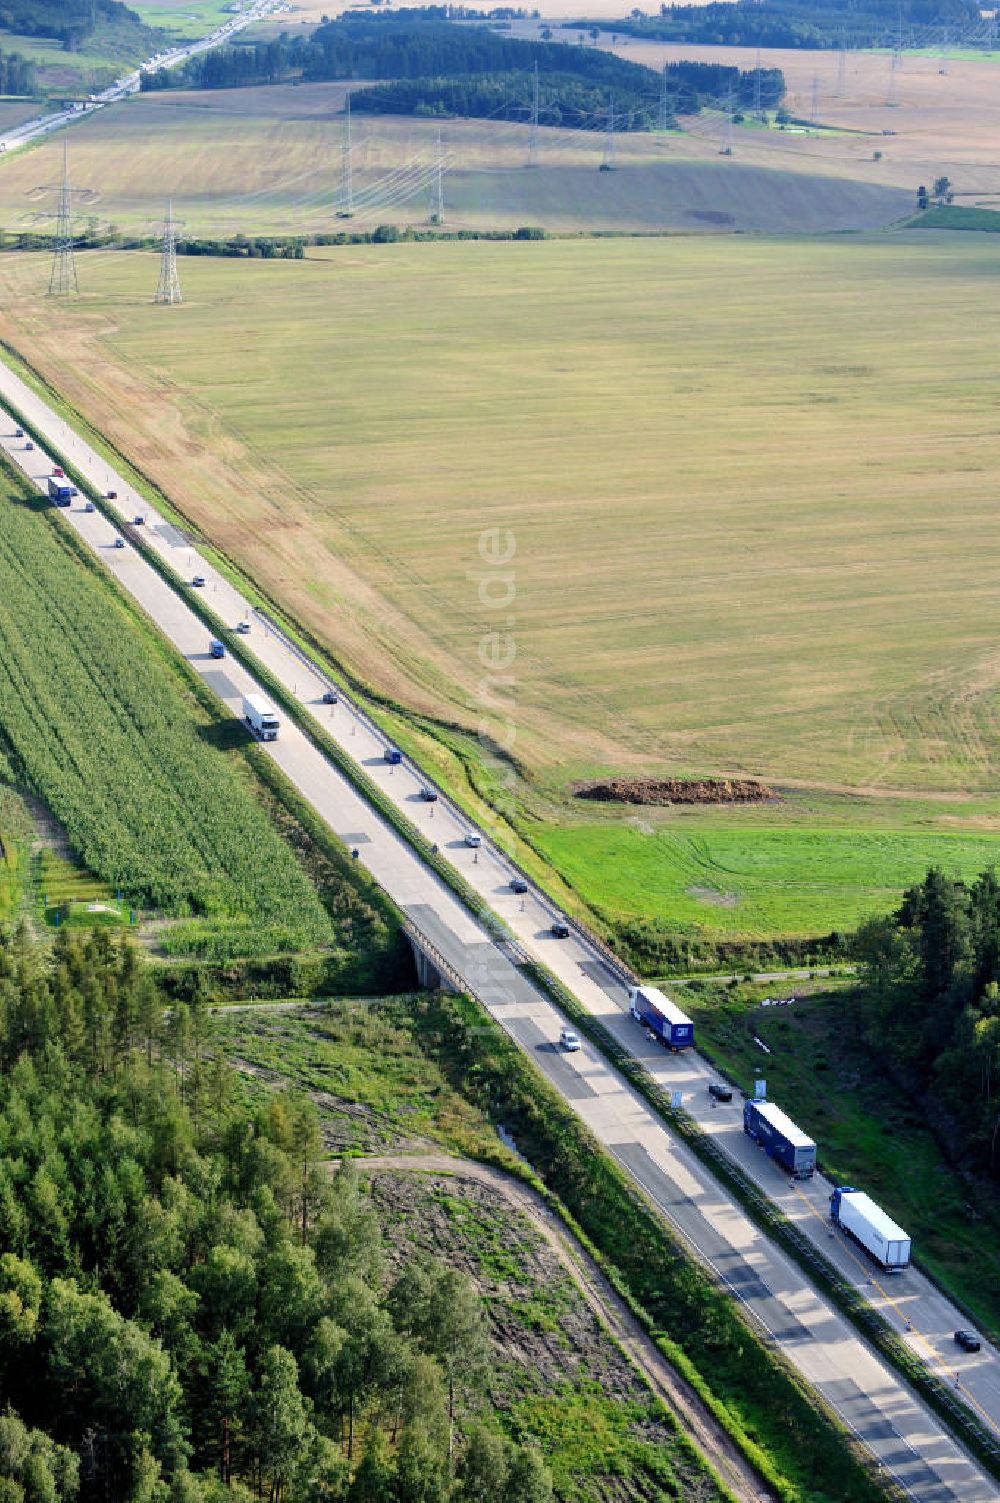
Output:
(676, 791)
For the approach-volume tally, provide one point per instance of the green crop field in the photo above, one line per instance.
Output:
(798, 871)
(99, 727)
(751, 492)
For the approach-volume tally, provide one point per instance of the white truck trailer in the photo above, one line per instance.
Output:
(869, 1225)
(261, 717)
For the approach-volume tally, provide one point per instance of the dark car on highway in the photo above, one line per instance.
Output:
(559, 929)
(720, 1092)
(967, 1340)
(518, 884)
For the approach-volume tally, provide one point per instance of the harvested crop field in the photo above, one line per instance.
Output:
(750, 487)
(267, 160)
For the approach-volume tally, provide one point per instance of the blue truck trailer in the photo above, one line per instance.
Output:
(664, 1019)
(61, 492)
(780, 1138)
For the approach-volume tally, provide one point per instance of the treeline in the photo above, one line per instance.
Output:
(17, 74)
(265, 247)
(931, 1007)
(434, 68)
(562, 100)
(397, 47)
(191, 1308)
(568, 101)
(796, 23)
(67, 21)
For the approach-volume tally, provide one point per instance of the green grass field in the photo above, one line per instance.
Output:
(65, 893)
(752, 495)
(183, 18)
(807, 867)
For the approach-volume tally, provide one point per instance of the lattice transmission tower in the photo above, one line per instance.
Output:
(62, 277)
(169, 288)
(347, 164)
(533, 132)
(437, 185)
(664, 99)
(608, 163)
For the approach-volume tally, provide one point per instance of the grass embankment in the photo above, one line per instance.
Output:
(956, 217)
(840, 1094)
(554, 1375)
(153, 789)
(791, 600)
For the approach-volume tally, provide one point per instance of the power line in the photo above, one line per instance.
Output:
(758, 112)
(663, 98)
(62, 278)
(169, 288)
(841, 72)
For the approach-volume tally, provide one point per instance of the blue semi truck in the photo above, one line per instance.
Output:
(664, 1019)
(61, 492)
(780, 1138)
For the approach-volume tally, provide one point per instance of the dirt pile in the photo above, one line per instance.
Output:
(676, 791)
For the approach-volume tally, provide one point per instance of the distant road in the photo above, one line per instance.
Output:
(43, 125)
(864, 1391)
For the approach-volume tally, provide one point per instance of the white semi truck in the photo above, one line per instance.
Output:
(261, 717)
(868, 1224)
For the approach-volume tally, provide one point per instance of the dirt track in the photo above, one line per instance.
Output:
(609, 1308)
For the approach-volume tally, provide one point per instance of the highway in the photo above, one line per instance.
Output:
(43, 125)
(906, 1439)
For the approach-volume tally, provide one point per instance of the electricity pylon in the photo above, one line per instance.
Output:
(347, 172)
(608, 164)
(62, 278)
(533, 132)
(169, 288)
(437, 186)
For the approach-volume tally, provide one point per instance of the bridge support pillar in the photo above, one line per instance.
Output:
(428, 975)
